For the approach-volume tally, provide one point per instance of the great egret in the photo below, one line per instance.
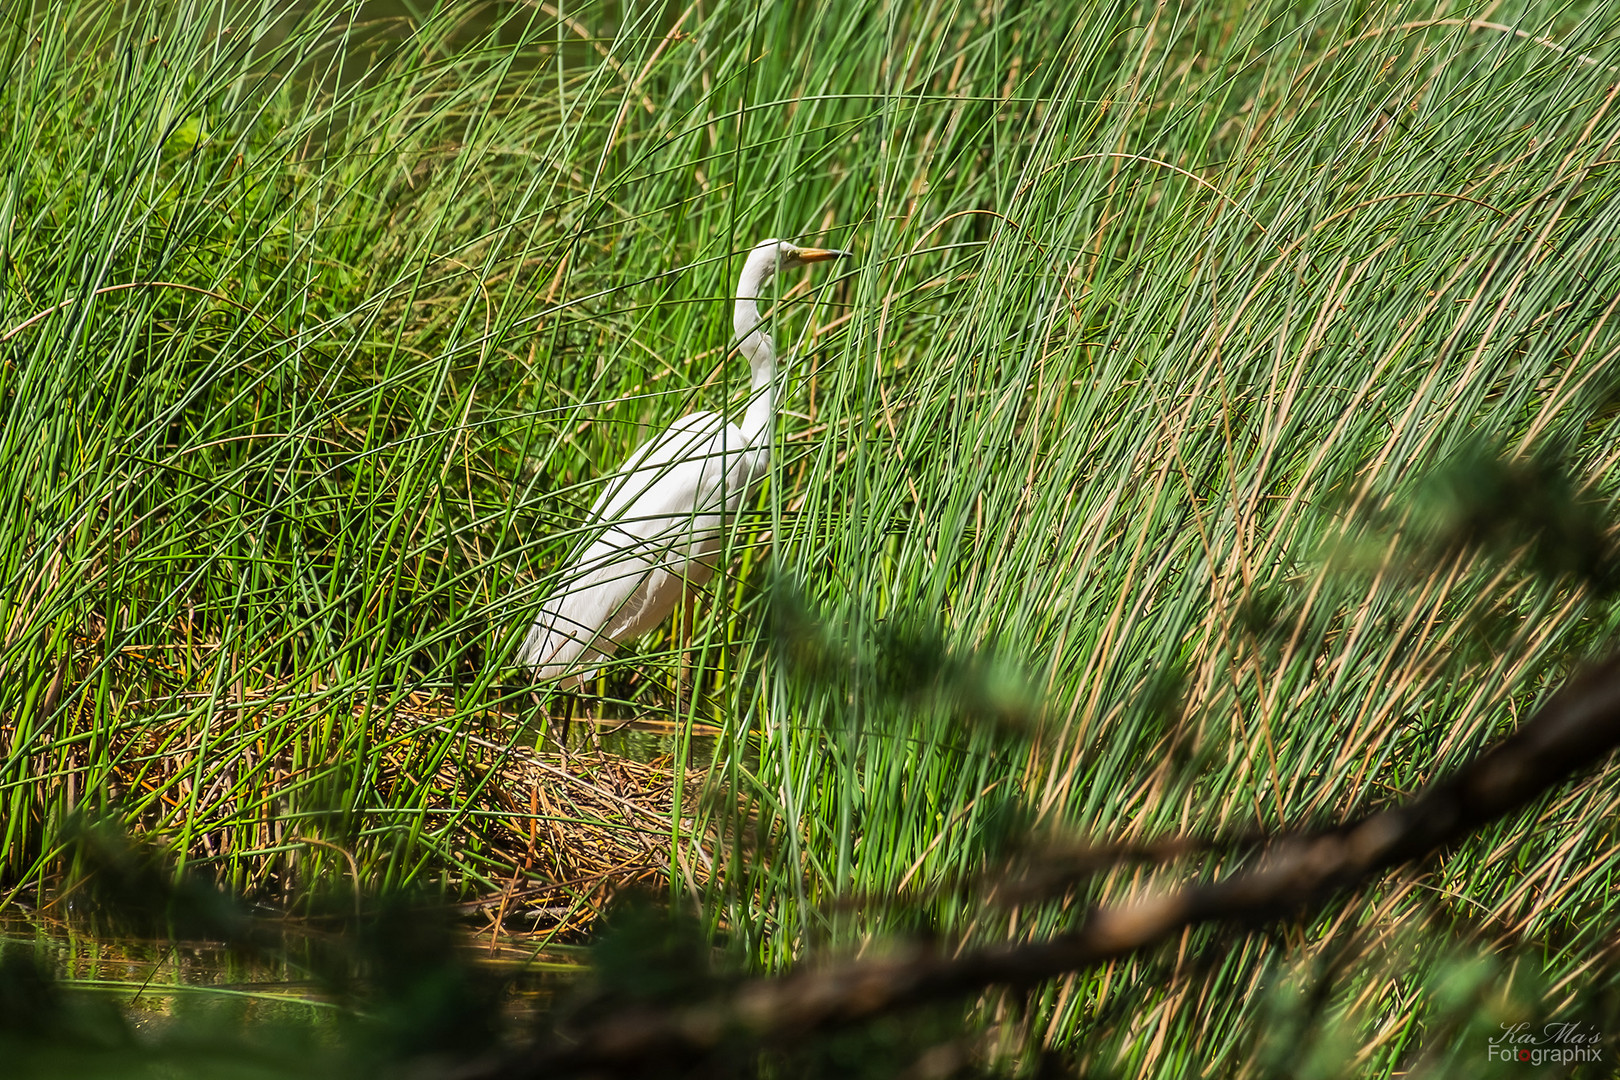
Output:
(660, 518)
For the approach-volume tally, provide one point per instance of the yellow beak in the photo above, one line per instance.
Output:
(810, 255)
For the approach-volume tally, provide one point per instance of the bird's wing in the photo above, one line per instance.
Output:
(654, 516)
(670, 478)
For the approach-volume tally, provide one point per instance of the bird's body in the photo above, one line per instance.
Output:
(659, 524)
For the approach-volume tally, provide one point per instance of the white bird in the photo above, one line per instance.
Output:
(658, 524)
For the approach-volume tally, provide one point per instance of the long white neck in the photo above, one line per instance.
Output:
(756, 344)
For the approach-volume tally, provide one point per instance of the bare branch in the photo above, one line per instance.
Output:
(1577, 728)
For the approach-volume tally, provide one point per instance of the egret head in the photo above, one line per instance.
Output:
(771, 256)
(762, 264)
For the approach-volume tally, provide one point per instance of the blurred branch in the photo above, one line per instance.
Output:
(1576, 728)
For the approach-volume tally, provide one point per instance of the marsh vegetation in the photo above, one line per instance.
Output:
(1215, 436)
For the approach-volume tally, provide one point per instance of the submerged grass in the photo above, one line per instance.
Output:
(318, 330)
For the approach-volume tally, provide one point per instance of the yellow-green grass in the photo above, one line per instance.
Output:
(1168, 401)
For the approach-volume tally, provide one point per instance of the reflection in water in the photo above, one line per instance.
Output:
(157, 988)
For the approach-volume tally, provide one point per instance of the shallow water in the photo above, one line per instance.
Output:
(149, 995)
(148, 979)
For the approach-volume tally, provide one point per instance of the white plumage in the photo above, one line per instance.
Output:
(662, 515)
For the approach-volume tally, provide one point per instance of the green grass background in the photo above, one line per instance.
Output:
(1220, 413)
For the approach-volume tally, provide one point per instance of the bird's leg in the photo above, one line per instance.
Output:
(593, 731)
(569, 698)
(685, 688)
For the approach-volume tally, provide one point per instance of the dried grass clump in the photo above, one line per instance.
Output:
(288, 793)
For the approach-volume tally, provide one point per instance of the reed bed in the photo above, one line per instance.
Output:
(528, 839)
(1215, 435)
